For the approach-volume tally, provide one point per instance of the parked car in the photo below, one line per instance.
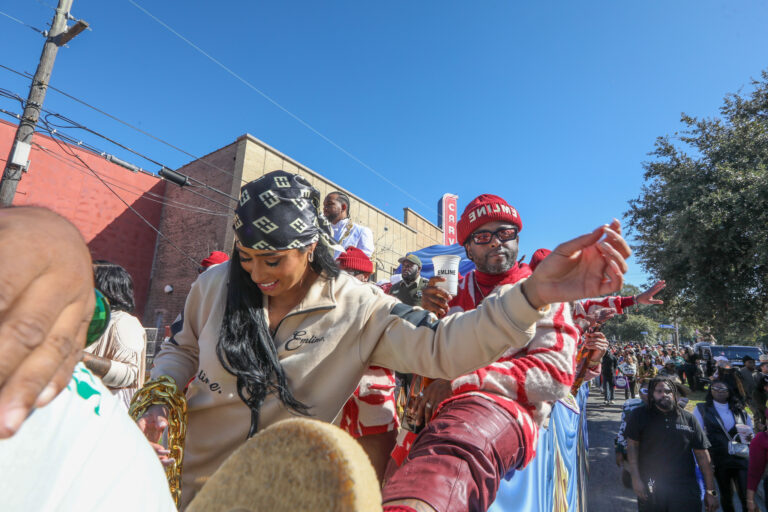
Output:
(707, 352)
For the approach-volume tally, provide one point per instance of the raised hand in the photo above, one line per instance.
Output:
(647, 296)
(46, 303)
(588, 266)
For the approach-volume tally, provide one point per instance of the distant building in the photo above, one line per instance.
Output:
(60, 182)
(227, 169)
(194, 224)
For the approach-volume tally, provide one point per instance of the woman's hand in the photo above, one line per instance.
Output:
(46, 304)
(588, 266)
(153, 423)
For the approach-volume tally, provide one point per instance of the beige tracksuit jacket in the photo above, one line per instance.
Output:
(325, 344)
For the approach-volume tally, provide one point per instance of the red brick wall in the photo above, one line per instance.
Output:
(60, 182)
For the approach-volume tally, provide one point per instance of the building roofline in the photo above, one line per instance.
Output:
(422, 217)
(248, 136)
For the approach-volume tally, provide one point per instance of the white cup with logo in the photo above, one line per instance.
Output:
(447, 266)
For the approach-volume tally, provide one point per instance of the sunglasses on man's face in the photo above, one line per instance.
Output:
(502, 234)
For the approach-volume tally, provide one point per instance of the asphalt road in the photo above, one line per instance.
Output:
(606, 494)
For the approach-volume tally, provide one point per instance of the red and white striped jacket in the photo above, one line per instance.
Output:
(525, 382)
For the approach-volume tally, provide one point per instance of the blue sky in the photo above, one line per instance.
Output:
(552, 105)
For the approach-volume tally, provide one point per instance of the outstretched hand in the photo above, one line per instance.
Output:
(588, 266)
(46, 303)
(647, 296)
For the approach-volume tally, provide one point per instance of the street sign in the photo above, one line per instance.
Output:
(666, 326)
(644, 333)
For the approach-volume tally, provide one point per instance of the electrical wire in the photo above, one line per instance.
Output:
(125, 123)
(44, 33)
(52, 130)
(189, 188)
(145, 194)
(68, 150)
(76, 125)
(278, 105)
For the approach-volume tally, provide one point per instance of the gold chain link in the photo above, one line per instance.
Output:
(163, 391)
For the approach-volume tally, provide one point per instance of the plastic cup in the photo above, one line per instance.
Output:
(447, 266)
(744, 431)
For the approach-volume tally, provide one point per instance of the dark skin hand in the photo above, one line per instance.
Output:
(98, 365)
(421, 409)
(435, 299)
(46, 303)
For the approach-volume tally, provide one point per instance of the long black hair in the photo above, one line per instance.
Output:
(115, 283)
(246, 348)
(735, 403)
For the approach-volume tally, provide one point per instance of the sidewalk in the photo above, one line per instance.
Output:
(605, 492)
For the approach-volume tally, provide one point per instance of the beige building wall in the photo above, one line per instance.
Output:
(227, 169)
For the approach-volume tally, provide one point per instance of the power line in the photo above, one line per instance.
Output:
(139, 215)
(90, 147)
(125, 123)
(43, 32)
(46, 126)
(145, 194)
(276, 104)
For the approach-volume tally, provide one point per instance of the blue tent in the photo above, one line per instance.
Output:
(426, 254)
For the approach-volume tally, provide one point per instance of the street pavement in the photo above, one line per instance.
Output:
(605, 492)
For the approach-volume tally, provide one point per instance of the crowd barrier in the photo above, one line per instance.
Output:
(556, 479)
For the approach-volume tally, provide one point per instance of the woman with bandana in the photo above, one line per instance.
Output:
(279, 332)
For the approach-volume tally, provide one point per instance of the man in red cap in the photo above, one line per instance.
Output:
(448, 466)
(370, 414)
(214, 258)
(356, 263)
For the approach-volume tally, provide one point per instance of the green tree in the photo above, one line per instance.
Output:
(701, 220)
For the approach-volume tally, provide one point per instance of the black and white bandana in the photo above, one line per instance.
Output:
(280, 211)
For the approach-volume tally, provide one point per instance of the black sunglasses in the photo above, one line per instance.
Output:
(502, 234)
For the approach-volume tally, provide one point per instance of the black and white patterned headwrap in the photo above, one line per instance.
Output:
(281, 211)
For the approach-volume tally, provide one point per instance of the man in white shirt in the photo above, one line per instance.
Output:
(345, 232)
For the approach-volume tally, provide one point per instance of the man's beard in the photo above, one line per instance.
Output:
(498, 267)
(665, 404)
(410, 276)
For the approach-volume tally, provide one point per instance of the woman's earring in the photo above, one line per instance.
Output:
(311, 257)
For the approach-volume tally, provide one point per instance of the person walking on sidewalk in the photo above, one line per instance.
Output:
(629, 369)
(609, 365)
(660, 438)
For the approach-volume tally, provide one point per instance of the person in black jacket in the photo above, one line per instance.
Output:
(609, 364)
(719, 415)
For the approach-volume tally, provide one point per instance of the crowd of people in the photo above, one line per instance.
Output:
(672, 457)
(290, 326)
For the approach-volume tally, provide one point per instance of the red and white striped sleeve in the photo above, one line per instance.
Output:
(371, 409)
(542, 371)
(618, 304)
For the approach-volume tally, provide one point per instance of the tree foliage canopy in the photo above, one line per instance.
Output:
(701, 220)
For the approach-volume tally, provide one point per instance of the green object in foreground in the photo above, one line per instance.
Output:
(100, 319)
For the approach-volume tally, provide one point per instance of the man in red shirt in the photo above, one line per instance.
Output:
(448, 466)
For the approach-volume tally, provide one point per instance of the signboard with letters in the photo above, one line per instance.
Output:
(447, 217)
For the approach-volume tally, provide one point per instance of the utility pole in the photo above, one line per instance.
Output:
(17, 161)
